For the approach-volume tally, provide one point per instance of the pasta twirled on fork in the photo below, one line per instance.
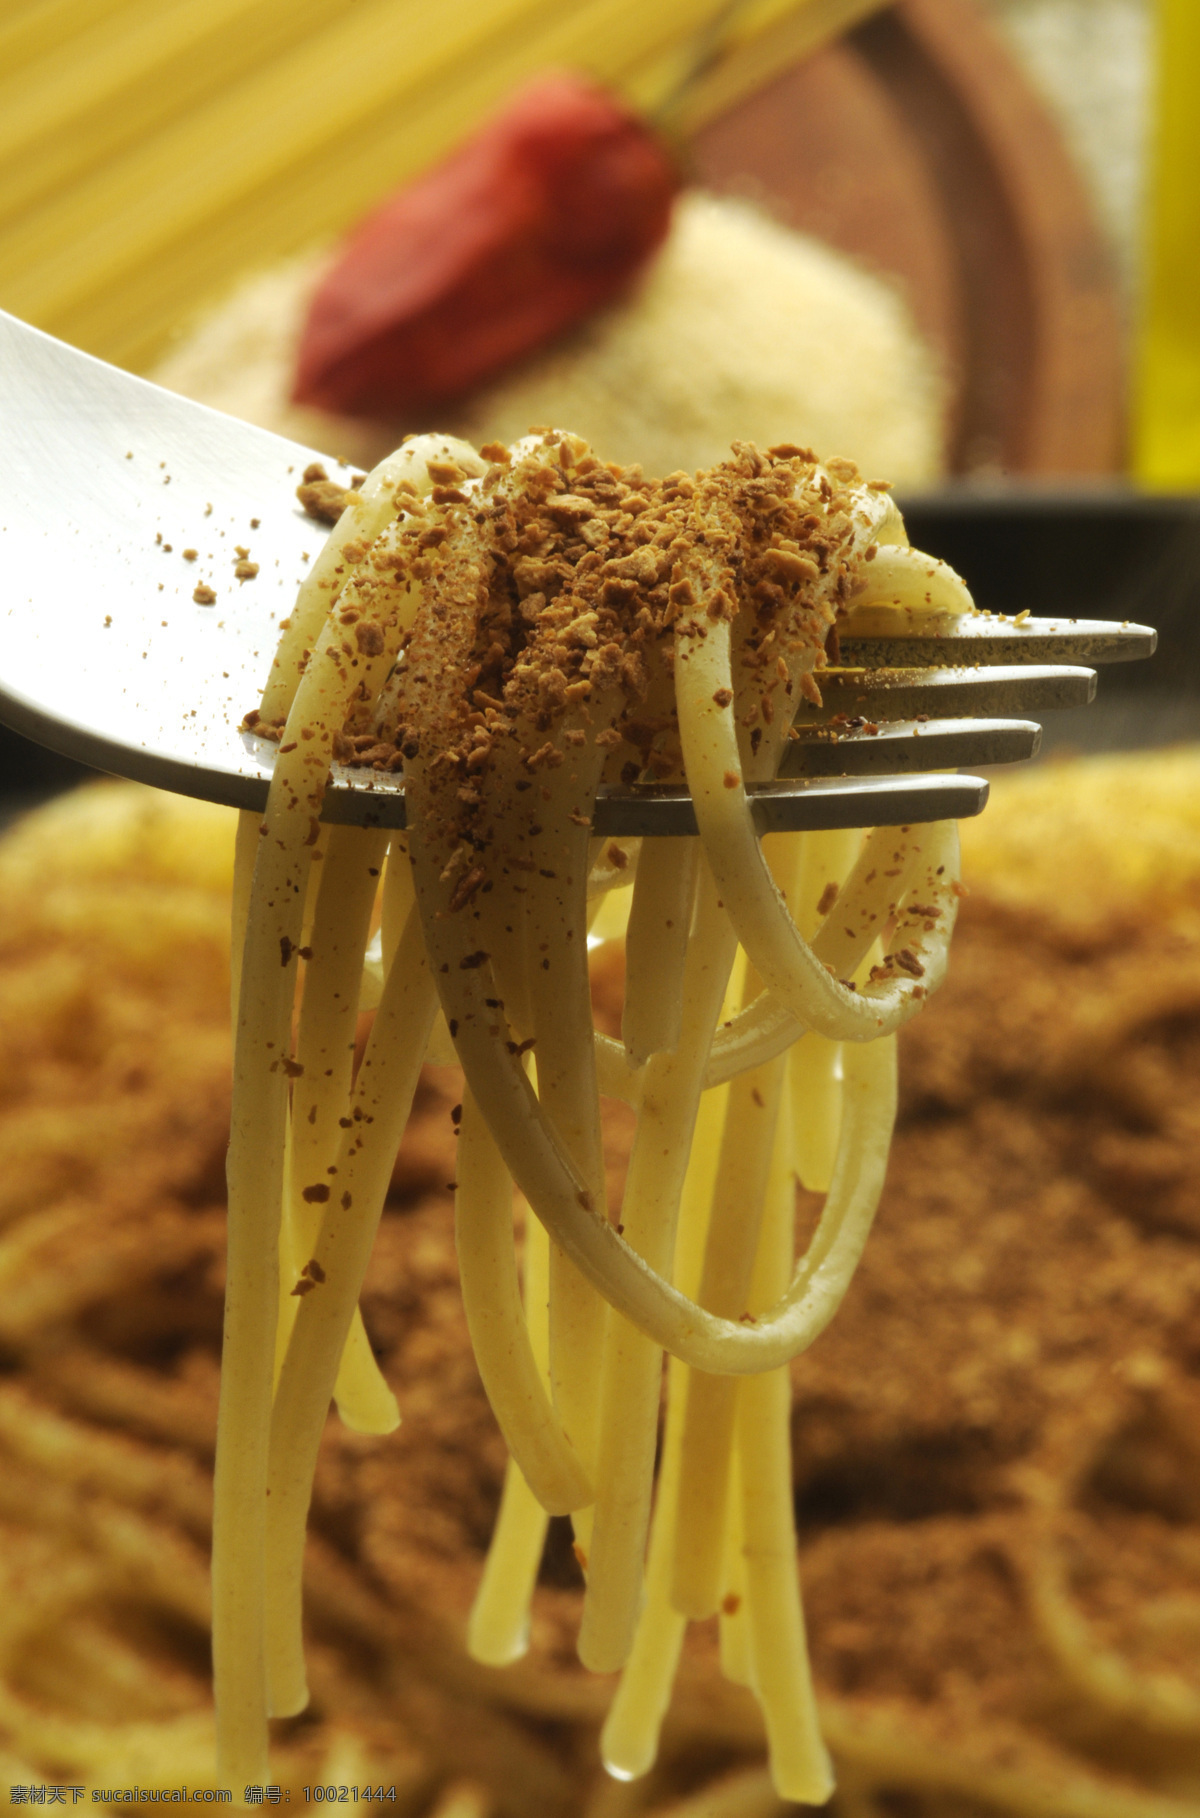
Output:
(515, 630)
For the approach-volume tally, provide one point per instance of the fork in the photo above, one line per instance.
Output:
(149, 548)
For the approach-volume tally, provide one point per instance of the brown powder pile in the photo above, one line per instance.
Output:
(997, 1481)
(551, 596)
(560, 579)
(741, 328)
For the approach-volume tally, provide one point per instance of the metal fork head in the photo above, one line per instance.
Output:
(109, 653)
(862, 756)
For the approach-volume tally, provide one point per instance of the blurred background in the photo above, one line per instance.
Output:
(955, 239)
(1018, 168)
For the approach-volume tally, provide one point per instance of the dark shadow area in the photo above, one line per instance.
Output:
(29, 774)
(909, 1478)
(1086, 552)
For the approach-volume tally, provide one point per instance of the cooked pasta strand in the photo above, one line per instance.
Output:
(324, 1055)
(814, 1083)
(492, 1303)
(288, 833)
(738, 1195)
(632, 1373)
(245, 852)
(368, 513)
(655, 945)
(629, 1739)
(382, 1098)
(785, 962)
(800, 1765)
(498, 1626)
(737, 1654)
(891, 863)
(556, 977)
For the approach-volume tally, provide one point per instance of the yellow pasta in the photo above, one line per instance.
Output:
(1020, 1637)
(513, 630)
(151, 154)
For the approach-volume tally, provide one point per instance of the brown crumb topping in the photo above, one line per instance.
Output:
(322, 497)
(550, 595)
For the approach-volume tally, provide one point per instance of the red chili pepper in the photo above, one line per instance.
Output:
(539, 219)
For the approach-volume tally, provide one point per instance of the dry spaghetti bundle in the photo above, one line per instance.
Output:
(516, 631)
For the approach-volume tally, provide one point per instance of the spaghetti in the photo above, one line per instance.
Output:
(994, 1443)
(514, 631)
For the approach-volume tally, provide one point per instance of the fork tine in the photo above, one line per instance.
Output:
(803, 807)
(653, 810)
(895, 694)
(898, 745)
(790, 806)
(984, 638)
